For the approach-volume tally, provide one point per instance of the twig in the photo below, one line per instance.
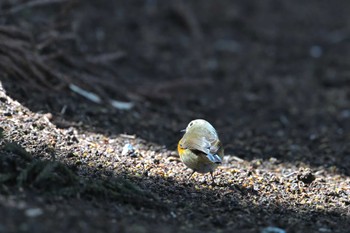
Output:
(189, 19)
(87, 94)
(127, 136)
(14, 32)
(35, 3)
(106, 57)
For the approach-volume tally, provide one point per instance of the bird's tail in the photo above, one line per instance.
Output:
(214, 158)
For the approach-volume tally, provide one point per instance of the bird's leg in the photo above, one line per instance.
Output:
(212, 178)
(191, 175)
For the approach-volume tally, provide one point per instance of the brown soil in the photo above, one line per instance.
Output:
(271, 76)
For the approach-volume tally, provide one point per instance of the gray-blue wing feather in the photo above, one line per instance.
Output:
(209, 146)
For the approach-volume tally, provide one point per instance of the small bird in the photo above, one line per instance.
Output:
(200, 148)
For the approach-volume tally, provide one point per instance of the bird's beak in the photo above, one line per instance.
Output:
(183, 130)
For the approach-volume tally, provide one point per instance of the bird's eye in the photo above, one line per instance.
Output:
(191, 123)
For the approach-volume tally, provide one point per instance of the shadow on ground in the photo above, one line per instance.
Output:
(38, 187)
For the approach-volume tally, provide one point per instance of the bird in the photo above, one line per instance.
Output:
(200, 148)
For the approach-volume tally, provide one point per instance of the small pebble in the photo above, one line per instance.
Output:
(128, 150)
(316, 51)
(272, 230)
(33, 212)
(306, 176)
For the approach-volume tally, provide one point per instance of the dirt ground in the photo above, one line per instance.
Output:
(273, 77)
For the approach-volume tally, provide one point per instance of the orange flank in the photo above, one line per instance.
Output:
(180, 149)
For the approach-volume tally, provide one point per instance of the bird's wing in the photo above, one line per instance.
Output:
(203, 144)
(214, 154)
(209, 147)
(215, 146)
(196, 143)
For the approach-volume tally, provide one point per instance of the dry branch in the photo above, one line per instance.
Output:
(32, 4)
